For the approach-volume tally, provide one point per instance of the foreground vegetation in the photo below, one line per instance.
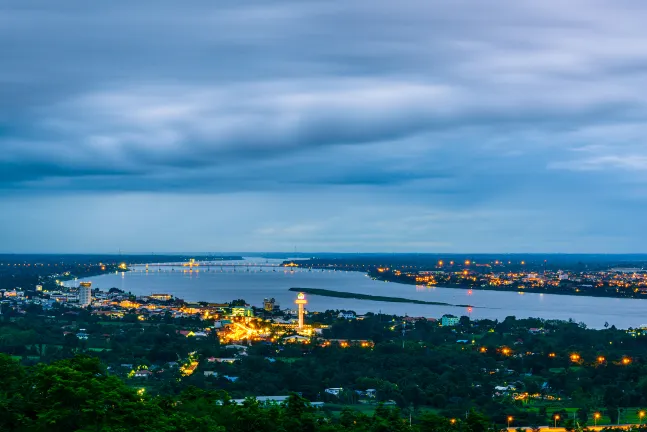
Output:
(79, 394)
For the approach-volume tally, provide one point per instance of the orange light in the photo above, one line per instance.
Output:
(551, 355)
(505, 351)
(601, 359)
(575, 357)
(596, 415)
(440, 263)
(626, 360)
(452, 421)
(483, 349)
(556, 416)
(510, 418)
(467, 262)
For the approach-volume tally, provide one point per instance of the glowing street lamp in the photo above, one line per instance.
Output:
(641, 414)
(556, 419)
(509, 421)
(596, 417)
(601, 359)
(452, 421)
(626, 360)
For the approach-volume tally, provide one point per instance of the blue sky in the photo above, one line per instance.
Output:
(377, 126)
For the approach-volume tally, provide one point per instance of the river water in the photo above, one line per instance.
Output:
(223, 284)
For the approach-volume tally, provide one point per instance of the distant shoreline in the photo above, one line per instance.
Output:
(340, 294)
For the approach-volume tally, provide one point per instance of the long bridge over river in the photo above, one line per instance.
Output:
(207, 264)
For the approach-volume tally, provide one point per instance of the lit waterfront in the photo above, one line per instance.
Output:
(216, 284)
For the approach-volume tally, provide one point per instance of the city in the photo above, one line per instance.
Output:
(323, 216)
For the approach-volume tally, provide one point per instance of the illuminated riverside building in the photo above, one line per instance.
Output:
(85, 294)
(301, 301)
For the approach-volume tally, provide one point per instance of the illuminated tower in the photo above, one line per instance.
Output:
(85, 294)
(301, 301)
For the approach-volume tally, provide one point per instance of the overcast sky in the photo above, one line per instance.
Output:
(394, 126)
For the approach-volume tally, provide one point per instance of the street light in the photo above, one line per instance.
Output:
(641, 414)
(452, 421)
(509, 420)
(556, 418)
(596, 416)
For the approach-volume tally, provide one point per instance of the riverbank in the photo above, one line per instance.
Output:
(355, 296)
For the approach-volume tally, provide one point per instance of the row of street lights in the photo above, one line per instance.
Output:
(596, 417)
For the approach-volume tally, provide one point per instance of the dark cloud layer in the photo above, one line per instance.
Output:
(528, 118)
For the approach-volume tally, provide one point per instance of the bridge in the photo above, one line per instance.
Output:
(201, 264)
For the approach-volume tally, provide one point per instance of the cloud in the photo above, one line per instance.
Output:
(459, 107)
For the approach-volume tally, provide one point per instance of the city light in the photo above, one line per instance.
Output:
(575, 357)
(601, 359)
(626, 360)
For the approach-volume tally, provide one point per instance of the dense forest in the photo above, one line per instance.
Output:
(78, 394)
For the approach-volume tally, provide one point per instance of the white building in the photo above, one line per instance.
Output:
(85, 296)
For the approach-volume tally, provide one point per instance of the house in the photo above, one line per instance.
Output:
(346, 315)
(229, 360)
(296, 338)
(371, 393)
(334, 391)
(210, 373)
(230, 378)
(83, 336)
(449, 320)
(236, 346)
(144, 373)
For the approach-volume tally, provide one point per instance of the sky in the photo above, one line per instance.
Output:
(339, 126)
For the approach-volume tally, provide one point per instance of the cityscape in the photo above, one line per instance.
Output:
(323, 216)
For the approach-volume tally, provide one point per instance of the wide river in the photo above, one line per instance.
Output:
(223, 284)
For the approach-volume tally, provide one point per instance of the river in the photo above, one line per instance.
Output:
(223, 284)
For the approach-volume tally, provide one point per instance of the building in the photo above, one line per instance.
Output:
(449, 320)
(270, 304)
(143, 373)
(242, 311)
(161, 297)
(85, 294)
(301, 301)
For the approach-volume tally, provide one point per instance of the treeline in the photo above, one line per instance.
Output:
(79, 395)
